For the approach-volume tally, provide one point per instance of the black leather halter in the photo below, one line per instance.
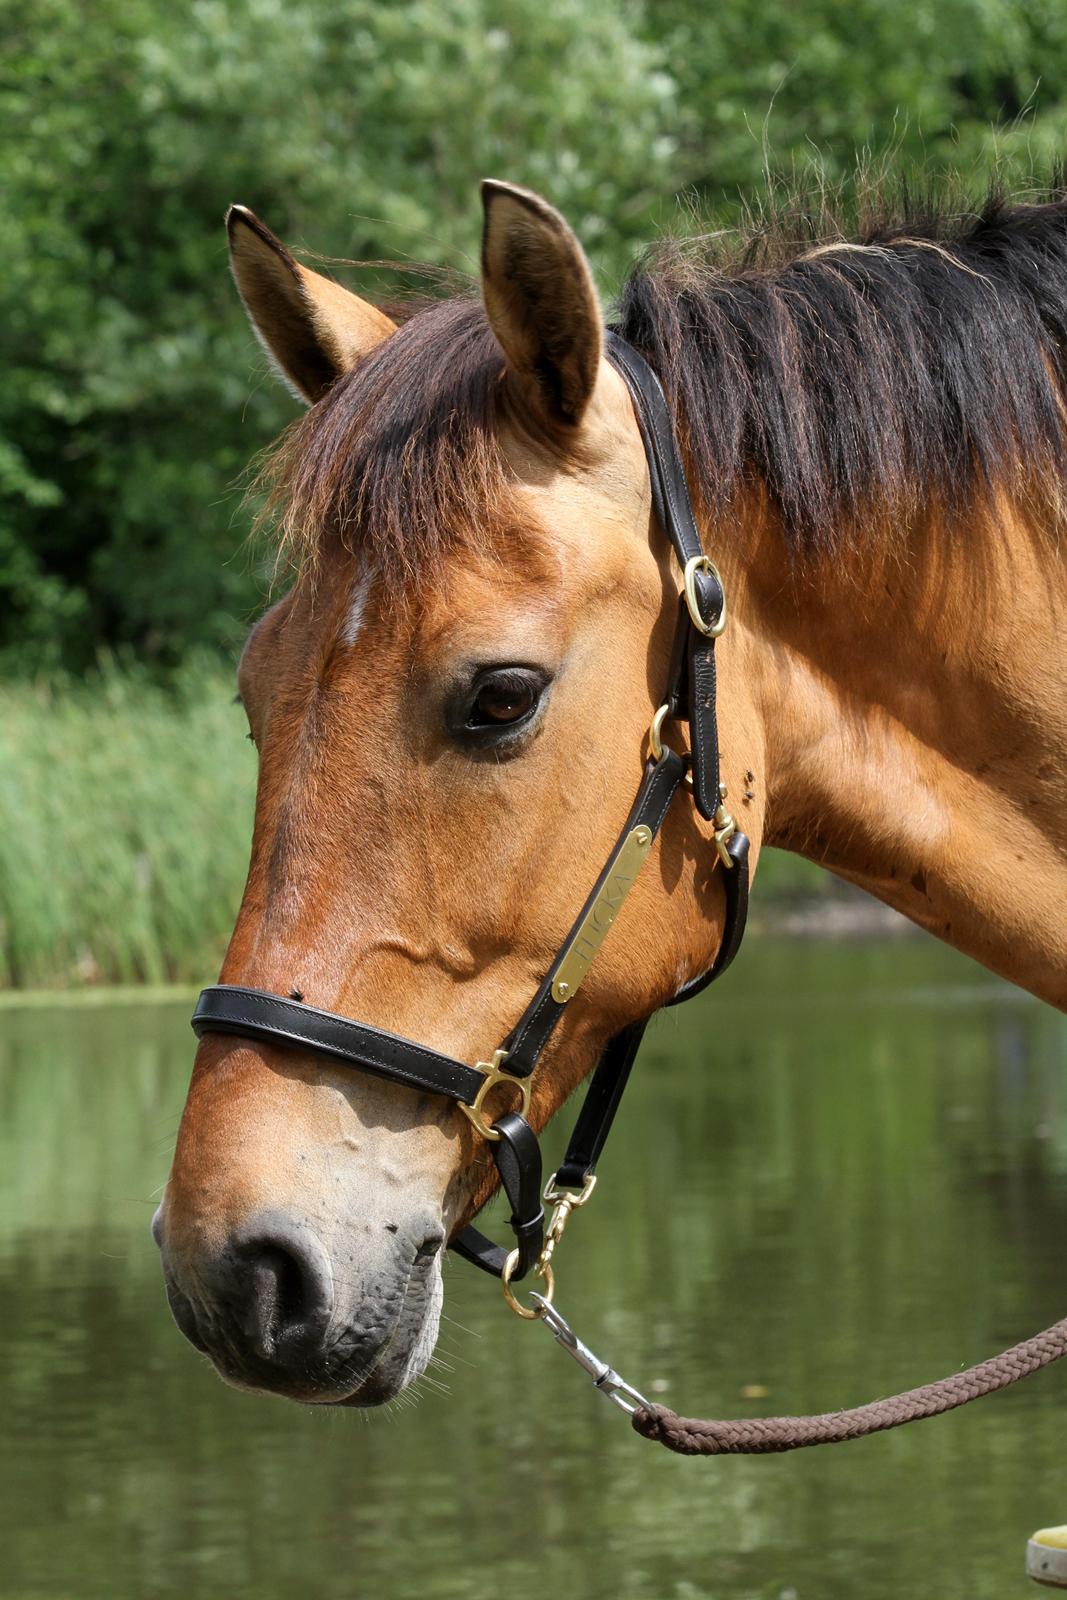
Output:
(257, 1014)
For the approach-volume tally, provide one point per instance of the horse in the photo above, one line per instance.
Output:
(450, 702)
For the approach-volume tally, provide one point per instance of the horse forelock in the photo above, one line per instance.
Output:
(401, 463)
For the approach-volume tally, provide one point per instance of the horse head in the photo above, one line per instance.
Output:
(450, 706)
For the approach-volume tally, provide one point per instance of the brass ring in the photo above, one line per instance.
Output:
(544, 1272)
(694, 565)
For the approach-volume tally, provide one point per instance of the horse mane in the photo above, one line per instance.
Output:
(859, 379)
(856, 379)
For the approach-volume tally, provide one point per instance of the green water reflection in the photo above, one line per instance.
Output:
(844, 1175)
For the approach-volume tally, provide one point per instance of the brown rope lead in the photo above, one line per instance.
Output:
(746, 1436)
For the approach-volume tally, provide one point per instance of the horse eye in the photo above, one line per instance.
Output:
(501, 702)
(502, 698)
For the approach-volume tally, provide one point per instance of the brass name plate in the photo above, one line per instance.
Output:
(578, 956)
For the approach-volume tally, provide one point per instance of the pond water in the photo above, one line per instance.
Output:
(844, 1174)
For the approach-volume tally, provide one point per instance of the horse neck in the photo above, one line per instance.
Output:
(914, 710)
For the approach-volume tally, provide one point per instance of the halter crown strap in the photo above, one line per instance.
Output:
(703, 608)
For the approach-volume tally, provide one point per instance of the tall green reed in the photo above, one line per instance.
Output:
(125, 819)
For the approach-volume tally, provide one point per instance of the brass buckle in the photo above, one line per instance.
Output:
(694, 565)
(494, 1074)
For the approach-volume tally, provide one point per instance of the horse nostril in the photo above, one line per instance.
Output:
(281, 1295)
(281, 1292)
(430, 1246)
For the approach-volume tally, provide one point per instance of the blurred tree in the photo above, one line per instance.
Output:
(932, 85)
(133, 395)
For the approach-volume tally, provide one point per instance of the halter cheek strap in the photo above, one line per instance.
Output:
(690, 694)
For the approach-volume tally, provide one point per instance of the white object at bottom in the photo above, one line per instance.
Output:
(1046, 1557)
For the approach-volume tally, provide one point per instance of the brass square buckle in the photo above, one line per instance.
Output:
(695, 564)
(494, 1074)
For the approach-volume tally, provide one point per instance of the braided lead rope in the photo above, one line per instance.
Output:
(692, 1436)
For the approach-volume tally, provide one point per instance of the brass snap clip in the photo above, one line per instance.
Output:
(696, 564)
(565, 1201)
(725, 828)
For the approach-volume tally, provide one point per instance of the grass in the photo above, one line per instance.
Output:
(125, 821)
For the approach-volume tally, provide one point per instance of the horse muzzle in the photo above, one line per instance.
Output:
(278, 1310)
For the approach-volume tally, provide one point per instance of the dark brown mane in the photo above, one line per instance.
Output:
(923, 360)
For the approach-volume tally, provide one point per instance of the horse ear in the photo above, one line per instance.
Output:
(311, 328)
(540, 300)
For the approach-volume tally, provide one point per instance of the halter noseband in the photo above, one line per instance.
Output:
(258, 1014)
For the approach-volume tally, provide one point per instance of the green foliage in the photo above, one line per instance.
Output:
(785, 878)
(133, 394)
(961, 86)
(125, 820)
